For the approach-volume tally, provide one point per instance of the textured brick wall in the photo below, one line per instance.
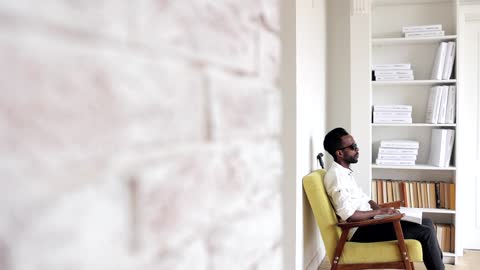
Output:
(140, 135)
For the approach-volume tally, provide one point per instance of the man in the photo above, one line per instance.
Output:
(352, 204)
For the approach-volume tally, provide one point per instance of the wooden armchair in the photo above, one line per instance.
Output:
(398, 254)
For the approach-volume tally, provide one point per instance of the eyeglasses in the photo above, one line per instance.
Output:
(353, 146)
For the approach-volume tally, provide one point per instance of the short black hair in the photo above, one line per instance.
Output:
(333, 140)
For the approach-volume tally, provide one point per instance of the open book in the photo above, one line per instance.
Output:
(411, 214)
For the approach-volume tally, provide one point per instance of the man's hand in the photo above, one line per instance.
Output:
(364, 215)
(388, 211)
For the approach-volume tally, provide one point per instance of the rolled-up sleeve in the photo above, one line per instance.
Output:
(342, 202)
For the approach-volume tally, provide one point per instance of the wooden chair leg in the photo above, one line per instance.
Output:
(339, 249)
(401, 245)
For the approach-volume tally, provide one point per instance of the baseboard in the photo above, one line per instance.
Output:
(315, 261)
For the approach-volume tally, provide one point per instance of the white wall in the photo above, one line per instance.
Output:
(338, 59)
(311, 120)
(140, 135)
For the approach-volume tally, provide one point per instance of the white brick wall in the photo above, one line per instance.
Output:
(140, 135)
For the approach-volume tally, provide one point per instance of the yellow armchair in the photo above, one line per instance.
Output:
(398, 254)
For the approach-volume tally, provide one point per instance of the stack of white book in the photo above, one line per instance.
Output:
(441, 105)
(392, 72)
(392, 114)
(420, 31)
(441, 147)
(444, 60)
(397, 152)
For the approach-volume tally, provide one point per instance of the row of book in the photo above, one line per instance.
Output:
(415, 194)
(441, 147)
(441, 105)
(444, 60)
(392, 72)
(446, 236)
(419, 31)
(397, 152)
(392, 114)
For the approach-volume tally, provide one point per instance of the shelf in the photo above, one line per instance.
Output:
(413, 125)
(416, 167)
(413, 82)
(404, 41)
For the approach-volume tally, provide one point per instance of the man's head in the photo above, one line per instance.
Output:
(341, 146)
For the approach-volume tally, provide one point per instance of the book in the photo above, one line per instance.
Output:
(438, 143)
(392, 114)
(411, 215)
(450, 114)
(399, 151)
(397, 157)
(422, 28)
(420, 34)
(443, 104)
(409, 144)
(394, 77)
(380, 72)
(449, 60)
(392, 108)
(449, 147)
(433, 104)
(391, 66)
(390, 162)
(439, 63)
(392, 120)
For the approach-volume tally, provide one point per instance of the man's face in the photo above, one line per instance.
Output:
(349, 151)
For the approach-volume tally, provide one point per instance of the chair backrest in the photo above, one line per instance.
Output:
(322, 210)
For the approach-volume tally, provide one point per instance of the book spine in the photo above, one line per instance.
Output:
(424, 34)
(379, 120)
(397, 157)
(443, 105)
(392, 108)
(395, 162)
(393, 72)
(397, 151)
(398, 145)
(394, 78)
(392, 114)
(437, 71)
(450, 59)
(391, 66)
(450, 116)
(422, 28)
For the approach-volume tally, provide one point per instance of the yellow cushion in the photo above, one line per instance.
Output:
(379, 252)
(353, 252)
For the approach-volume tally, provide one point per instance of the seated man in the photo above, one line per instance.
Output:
(352, 204)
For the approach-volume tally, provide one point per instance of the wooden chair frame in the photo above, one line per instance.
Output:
(405, 263)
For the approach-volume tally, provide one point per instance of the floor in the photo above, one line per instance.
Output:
(469, 261)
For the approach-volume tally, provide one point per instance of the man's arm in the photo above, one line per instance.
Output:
(364, 215)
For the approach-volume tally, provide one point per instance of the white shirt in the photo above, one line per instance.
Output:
(344, 193)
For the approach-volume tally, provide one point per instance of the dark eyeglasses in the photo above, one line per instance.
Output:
(353, 146)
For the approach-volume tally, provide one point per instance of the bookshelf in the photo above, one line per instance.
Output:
(387, 45)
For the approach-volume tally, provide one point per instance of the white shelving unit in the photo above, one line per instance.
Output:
(388, 46)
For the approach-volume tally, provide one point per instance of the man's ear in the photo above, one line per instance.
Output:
(339, 153)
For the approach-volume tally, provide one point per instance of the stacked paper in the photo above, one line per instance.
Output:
(420, 31)
(392, 114)
(392, 72)
(397, 152)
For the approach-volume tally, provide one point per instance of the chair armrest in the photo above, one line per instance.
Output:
(395, 204)
(348, 225)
